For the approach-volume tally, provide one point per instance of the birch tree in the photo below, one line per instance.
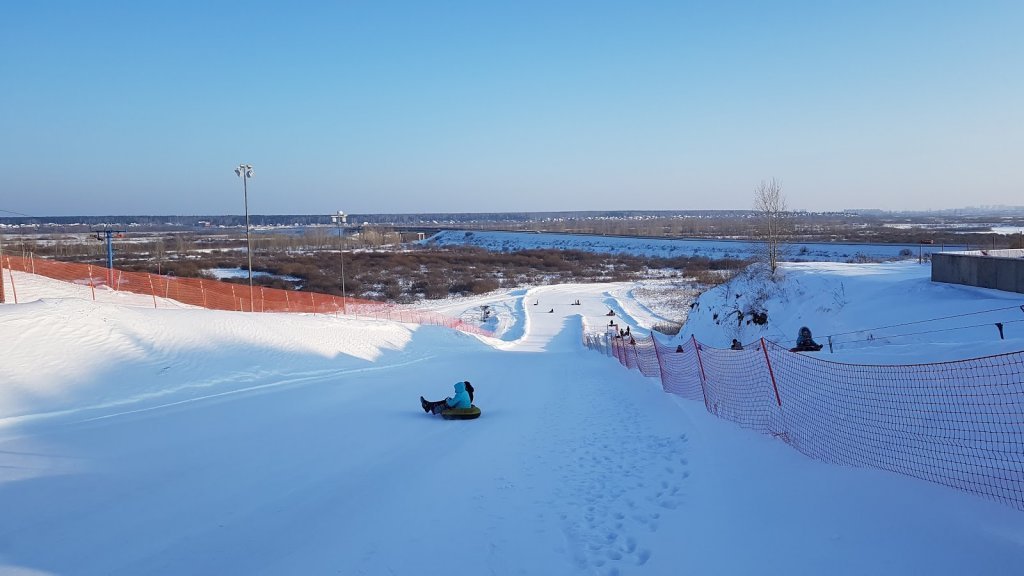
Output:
(770, 205)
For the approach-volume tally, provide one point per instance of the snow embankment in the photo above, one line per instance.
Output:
(75, 355)
(889, 313)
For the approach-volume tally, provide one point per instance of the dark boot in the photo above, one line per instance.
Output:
(424, 404)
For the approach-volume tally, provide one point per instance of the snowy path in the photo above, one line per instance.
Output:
(324, 464)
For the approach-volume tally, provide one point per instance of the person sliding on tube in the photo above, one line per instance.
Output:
(463, 398)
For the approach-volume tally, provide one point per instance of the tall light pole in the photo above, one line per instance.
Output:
(244, 171)
(339, 219)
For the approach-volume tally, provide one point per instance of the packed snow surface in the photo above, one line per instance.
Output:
(141, 437)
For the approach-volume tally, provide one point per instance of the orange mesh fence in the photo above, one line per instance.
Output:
(960, 424)
(217, 295)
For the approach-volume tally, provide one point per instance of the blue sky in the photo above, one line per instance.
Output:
(145, 108)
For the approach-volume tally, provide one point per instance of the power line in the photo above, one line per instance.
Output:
(16, 213)
(928, 320)
(931, 331)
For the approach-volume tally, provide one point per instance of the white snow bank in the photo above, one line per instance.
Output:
(888, 313)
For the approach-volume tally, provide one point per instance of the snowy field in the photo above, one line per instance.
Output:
(666, 248)
(142, 440)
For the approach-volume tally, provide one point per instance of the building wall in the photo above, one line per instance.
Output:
(999, 269)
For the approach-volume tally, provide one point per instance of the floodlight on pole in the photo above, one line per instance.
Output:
(339, 219)
(109, 235)
(244, 171)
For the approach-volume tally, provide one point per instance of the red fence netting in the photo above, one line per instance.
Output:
(960, 423)
(217, 295)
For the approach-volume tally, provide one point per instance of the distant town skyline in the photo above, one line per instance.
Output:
(113, 107)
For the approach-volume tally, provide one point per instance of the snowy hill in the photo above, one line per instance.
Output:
(889, 313)
(136, 440)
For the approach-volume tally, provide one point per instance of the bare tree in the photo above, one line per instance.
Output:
(159, 253)
(770, 204)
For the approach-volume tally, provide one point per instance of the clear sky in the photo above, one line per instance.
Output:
(377, 106)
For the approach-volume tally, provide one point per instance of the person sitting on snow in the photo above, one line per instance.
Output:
(736, 345)
(804, 342)
(463, 398)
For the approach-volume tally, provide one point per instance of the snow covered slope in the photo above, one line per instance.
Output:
(142, 441)
(888, 313)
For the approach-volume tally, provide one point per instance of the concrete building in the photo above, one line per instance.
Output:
(999, 269)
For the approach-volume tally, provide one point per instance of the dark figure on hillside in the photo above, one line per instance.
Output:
(627, 330)
(736, 345)
(611, 322)
(804, 342)
(622, 332)
(552, 311)
(632, 341)
(463, 398)
(610, 312)
(679, 348)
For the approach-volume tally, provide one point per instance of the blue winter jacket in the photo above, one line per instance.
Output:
(461, 398)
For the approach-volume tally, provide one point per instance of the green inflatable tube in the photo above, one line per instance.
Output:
(470, 413)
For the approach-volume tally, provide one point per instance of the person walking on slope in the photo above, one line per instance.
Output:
(463, 398)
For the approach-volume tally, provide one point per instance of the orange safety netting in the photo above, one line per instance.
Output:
(960, 423)
(217, 295)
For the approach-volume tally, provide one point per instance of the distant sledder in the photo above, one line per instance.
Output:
(457, 407)
(804, 342)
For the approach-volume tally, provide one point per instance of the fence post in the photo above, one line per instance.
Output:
(771, 372)
(202, 291)
(92, 284)
(152, 290)
(657, 356)
(700, 363)
(14, 290)
(263, 300)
